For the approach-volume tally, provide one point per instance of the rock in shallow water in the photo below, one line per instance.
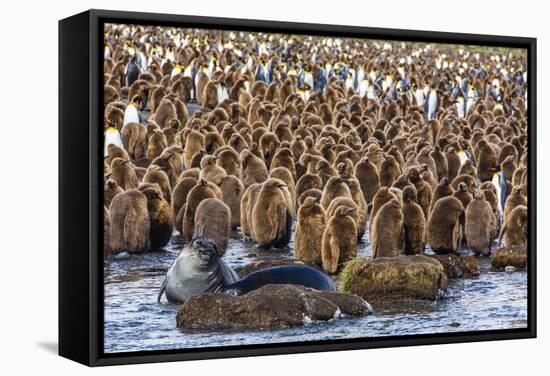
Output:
(457, 266)
(269, 307)
(510, 256)
(394, 278)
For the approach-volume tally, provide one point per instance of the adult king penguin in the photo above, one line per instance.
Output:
(499, 182)
(432, 103)
(112, 136)
(131, 72)
(131, 114)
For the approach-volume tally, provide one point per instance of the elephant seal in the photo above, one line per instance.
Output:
(198, 269)
(281, 275)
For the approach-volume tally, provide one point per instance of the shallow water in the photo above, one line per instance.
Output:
(134, 321)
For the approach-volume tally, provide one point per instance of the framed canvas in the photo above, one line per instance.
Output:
(235, 187)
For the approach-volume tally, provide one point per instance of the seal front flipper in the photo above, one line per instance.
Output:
(162, 288)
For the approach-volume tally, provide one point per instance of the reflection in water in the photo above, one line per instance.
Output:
(135, 322)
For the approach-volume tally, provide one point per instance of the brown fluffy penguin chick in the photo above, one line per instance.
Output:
(345, 168)
(414, 225)
(201, 191)
(367, 174)
(441, 164)
(443, 189)
(453, 163)
(480, 226)
(194, 143)
(110, 190)
(387, 230)
(179, 197)
(424, 157)
(123, 173)
(232, 193)
(487, 160)
(155, 174)
(157, 144)
(491, 197)
(210, 171)
(283, 174)
(197, 158)
(515, 199)
(468, 168)
(134, 138)
(165, 112)
(444, 230)
(284, 158)
(389, 171)
(335, 187)
(247, 204)
(213, 221)
(129, 221)
(160, 216)
(424, 192)
(106, 232)
(362, 207)
(339, 240)
(253, 169)
(272, 215)
(228, 159)
(325, 171)
(463, 194)
(312, 192)
(514, 230)
(113, 152)
(310, 228)
(343, 201)
(382, 196)
(306, 182)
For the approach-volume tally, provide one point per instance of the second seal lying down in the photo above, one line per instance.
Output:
(198, 269)
(282, 275)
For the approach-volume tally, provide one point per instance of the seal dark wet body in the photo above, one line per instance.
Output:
(198, 269)
(287, 274)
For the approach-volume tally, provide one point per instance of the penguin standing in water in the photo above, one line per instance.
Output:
(499, 182)
(131, 72)
(112, 136)
(131, 114)
(432, 103)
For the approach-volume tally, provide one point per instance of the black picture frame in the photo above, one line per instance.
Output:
(80, 203)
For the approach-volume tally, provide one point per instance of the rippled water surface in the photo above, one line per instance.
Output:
(135, 322)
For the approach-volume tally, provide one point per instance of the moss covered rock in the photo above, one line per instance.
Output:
(457, 266)
(394, 278)
(269, 307)
(510, 256)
